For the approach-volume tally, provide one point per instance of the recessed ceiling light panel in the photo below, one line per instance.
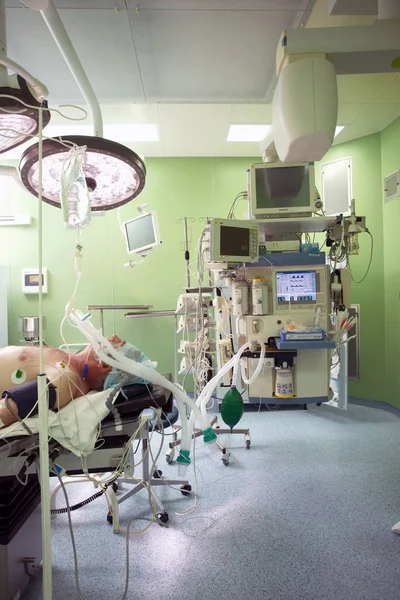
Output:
(247, 133)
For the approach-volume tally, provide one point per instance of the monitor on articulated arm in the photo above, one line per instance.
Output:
(141, 236)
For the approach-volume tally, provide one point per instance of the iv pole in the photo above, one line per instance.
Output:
(60, 35)
(43, 416)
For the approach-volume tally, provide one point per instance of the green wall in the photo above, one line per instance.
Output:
(374, 158)
(196, 187)
(199, 187)
(365, 155)
(390, 152)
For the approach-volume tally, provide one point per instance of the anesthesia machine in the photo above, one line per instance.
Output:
(280, 304)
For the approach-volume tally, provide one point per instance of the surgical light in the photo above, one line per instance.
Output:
(18, 122)
(114, 174)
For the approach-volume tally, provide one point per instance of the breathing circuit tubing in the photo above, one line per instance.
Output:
(206, 394)
(111, 356)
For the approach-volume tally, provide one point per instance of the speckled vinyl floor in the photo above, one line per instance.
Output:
(305, 514)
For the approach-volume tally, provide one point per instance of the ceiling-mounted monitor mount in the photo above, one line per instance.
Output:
(305, 104)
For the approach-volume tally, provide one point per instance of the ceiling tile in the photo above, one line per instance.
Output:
(193, 129)
(207, 55)
(361, 88)
(130, 113)
(240, 149)
(188, 113)
(320, 17)
(373, 118)
(188, 50)
(147, 149)
(226, 5)
(103, 43)
(348, 112)
(256, 114)
(355, 7)
(390, 93)
(122, 112)
(90, 4)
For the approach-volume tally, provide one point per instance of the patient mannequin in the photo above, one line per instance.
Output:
(72, 381)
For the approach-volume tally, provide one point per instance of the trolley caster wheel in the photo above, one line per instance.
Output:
(169, 457)
(157, 474)
(225, 457)
(162, 517)
(318, 403)
(247, 444)
(186, 489)
(110, 518)
(273, 406)
(115, 487)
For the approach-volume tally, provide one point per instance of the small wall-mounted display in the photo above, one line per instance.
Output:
(30, 281)
(391, 186)
(336, 192)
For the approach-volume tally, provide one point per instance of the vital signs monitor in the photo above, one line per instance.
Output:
(141, 233)
(281, 190)
(233, 241)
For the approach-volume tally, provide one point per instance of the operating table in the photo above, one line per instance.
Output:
(20, 522)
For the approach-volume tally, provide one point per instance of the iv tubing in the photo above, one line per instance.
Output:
(237, 363)
(134, 367)
(130, 369)
(260, 365)
(119, 361)
(154, 377)
(61, 37)
(43, 415)
(211, 385)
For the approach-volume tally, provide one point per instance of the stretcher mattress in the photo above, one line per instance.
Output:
(76, 426)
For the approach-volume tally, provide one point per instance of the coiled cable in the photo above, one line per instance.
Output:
(63, 511)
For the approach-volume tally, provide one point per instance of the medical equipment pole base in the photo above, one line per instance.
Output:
(147, 482)
(197, 433)
(216, 429)
(245, 432)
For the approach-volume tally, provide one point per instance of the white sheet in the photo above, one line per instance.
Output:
(75, 426)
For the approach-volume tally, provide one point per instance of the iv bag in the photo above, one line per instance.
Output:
(74, 192)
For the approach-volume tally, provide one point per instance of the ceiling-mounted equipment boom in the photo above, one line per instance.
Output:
(305, 104)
